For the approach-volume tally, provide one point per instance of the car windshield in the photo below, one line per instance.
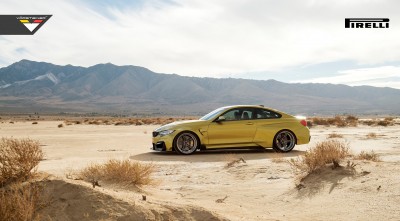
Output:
(213, 113)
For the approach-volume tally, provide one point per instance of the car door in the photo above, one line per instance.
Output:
(237, 128)
(268, 123)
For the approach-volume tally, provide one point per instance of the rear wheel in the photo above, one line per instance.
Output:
(186, 143)
(284, 141)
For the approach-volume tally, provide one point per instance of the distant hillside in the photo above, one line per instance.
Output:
(28, 86)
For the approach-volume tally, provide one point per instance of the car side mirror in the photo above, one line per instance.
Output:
(220, 118)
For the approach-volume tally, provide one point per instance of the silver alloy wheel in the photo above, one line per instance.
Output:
(186, 143)
(285, 141)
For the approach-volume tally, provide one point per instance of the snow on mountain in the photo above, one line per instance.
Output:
(49, 76)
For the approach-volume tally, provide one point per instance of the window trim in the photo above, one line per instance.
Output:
(264, 109)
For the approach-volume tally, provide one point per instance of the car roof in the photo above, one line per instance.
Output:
(255, 106)
(241, 105)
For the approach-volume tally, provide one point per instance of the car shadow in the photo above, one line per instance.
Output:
(214, 155)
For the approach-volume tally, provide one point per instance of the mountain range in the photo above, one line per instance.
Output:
(29, 86)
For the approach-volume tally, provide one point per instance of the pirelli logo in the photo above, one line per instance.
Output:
(366, 23)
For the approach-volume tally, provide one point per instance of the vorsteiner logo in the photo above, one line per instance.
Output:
(21, 24)
(366, 23)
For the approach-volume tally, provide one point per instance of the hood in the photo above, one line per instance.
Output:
(178, 123)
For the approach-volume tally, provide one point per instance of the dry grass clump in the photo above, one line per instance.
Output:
(122, 172)
(129, 121)
(60, 125)
(20, 202)
(370, 156)
(278, 158)
(18, 160)
(35, 122)
(387, 121)
(231, 159)
(371, 135)
(326, 152)
(18, 157)
(351, 121)
(147, 121)
(335, 135)
(319, 121)
(369, 122)
(339, 121)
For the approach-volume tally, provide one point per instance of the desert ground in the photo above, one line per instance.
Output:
(202, 186)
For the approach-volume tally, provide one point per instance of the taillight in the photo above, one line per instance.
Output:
(304, 123)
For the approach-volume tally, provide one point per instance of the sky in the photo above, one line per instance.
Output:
(292, 41)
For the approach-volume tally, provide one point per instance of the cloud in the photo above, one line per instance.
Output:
(204, 38)
(385, 76)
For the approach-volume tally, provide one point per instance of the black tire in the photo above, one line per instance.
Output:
(186, 143)
(284, 141)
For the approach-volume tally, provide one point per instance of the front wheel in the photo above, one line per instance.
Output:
(284, 141)
(186, 143)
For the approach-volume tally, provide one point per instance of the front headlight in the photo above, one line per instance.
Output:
(166, 132)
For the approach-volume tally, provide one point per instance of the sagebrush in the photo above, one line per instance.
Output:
(18, 159)
(371, 156)
(339, 121)
(326, 152)
(122, 172)
(371, 135)
(335, 135)
(20, 202)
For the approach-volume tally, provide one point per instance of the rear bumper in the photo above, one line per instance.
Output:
(303, 138)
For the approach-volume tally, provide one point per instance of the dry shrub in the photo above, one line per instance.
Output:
(351, 118)
(339, 121)
(369, 122)
(335, 135)
(320, 121)
(123, 172)
(60, 125)
(94, 122)
(351, 121)
(18, 157)
(371, 135)
(119, 123)
(385, 123)
(371, 156)
(20, 202)
(35, 122)
(278, 158)
(232, 159)
(326, 152)
(128, 121)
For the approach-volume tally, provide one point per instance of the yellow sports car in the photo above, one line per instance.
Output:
(242, 126)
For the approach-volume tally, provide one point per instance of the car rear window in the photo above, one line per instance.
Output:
(266, 114)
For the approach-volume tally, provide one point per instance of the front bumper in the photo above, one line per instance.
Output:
(163, 143)
(159, 146)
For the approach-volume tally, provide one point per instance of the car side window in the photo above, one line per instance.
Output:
(238, 114)
(267, 114)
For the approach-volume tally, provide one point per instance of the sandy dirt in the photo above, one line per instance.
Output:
(203, 187)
